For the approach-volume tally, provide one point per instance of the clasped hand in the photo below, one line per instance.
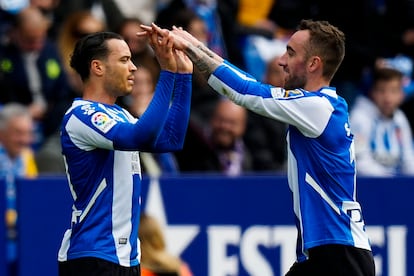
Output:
(164, 43)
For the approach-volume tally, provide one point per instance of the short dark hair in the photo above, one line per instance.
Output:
(327, 42)
(88, 48)
(386, 73)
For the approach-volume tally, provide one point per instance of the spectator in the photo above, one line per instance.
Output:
(16, 160)
(106, 11)
(228, 125)
(48, 9)
(142, 92)
(254, 17)
(404, 64)
(16, 136)
(218, 147)
(75, 26)
(383, 139)
(32, 70)
(32, 74)
(156, 261)
(145, 10)
(206, 10)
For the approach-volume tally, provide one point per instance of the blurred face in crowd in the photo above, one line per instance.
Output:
(274, 73)
(31, 38)
(17, 135)
(88, 25)
(228, 124)
(142, 91)
(388, 95)
(129, 32)
(198, 29)
(46, 5)
(31, 33)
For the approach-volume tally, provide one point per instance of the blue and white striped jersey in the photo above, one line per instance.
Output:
(383, 146)
(321, 165)
(100, 145)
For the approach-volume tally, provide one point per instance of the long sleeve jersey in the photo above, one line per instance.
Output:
(321, 163)
(101, 145)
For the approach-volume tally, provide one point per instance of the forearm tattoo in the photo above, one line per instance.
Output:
(205, 62)
(206, 50)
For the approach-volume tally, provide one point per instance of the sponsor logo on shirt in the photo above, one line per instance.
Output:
(122, 240)
(102, 121)
(88, 109)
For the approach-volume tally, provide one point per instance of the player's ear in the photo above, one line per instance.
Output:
(314, 63)
(97, 67)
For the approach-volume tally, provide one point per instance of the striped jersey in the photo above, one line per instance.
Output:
(100, 146)
(321, 164)
(383, 146)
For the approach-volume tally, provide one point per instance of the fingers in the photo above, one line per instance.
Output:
(177, 28)
(156, 28)
(184, 64)
(146, 27)
(177, 37)
(147, 30)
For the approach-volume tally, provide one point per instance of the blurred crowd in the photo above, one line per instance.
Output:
(37, 84)
(37, 38)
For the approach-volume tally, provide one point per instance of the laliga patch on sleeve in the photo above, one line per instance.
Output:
(278, 92)
(102, 121)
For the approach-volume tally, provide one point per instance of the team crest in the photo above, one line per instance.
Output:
(294, 93)
(102, 121)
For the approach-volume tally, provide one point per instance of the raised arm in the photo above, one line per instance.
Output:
(173, 133)
(202, 57)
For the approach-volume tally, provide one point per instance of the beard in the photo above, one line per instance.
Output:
(294, 82)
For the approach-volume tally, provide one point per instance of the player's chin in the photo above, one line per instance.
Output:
(125, 92)
(128, 89)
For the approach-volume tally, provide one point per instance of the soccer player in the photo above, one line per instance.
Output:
(321, 164)
(101, 143)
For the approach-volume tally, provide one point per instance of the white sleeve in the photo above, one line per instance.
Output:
(84, 137)
(309, 112)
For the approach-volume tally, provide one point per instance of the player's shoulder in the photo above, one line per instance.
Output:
(291, 94)
(93, 114)
(279, 92)
(87, 107)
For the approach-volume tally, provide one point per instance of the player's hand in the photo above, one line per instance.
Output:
(180, 42)
(184, 64)
(162, 43)
(185, 37)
